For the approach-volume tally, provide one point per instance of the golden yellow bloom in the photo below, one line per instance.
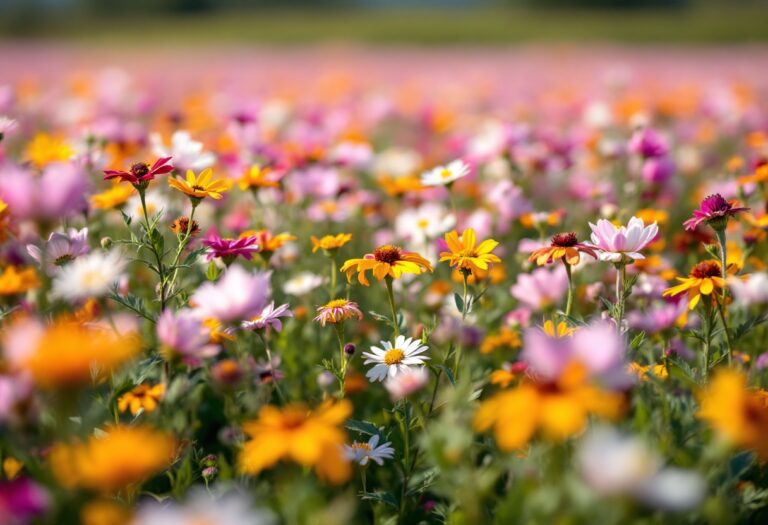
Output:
(558, 409)
(218, 335)
(309, 438)
(123, 456)
(258, 177)
(466, 255)
(142, 397)
(395, 186)
(386, 261)
(704, 278)
(68, 354)
(201, 186)
(330, 242)
(641, 371)
(506, 339)
(737, 413)
(13, 281)
(268, 242)
(104, 512)
(562, 329)
(12, 467)
(44, 149)
(115, 196)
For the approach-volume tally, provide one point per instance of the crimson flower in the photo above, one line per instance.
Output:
(141, 172)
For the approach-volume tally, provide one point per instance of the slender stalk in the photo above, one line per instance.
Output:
(149, 229)
(569, 301)
(621, 278)
(405, 429)
(392, 307)
(459, 347)
(334, 271)
(183, 242)
(723, 270)
(721, 311)
(342, 358)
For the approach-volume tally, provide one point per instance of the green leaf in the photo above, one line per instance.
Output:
(637, 341)
(381, 497)
(449, 373)
(212, 272)
(363, 427)
(459, 302)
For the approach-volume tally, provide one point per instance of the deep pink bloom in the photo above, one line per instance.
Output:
(269, 317)
(648, 144)
(230, 249)
(141, 172)
(236, 296)
(21, 500)
(56, 193)
(713, 208)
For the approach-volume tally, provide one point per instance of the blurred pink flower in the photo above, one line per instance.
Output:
(236, 296)
(57, 193)
(269, 318)
(21, 500)
(183, 334)
(541, 288)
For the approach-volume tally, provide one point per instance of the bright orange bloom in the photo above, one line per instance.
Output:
(144, 397)
(564, 246)
(268, 242)
(123, 456)
(386, 261)
(258, 177)
(309, 438)
(465, 254)
(13, 281)
(505, 339)
(330, 243)
(201, 186)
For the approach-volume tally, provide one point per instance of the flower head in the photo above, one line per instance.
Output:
(337, 311)
(330, 243)
(121, 457)
(565, 247)
(44, 149)
(406, 383)
(236, 296)
(704, 278)
(181, 226)
(187, 154)
(230, 249)
(624, 243)
(715, 211)
(311, 438)
(396, 359)
(386, 261)
(14, 281)
(143, 397)
(466, 254)
(141, 173)
(541, 288)
(258, 177)
(92, 275)
(185, 335)
(444, 175)
(113, 197)
(268, 318)
(200, 186)
(61, 248)
(361, 452)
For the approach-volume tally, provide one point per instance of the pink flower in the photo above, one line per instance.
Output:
(541, 288)
(648, 144)
(715, 211)
(21, 500)
(57, 193)
(141, 173)
(230, 249)
(61, 247)
(618, 244)
(183, 334)
(337, 311)
(406, 383)
(236, 296)
(268, 318)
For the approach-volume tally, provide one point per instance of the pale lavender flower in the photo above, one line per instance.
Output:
(236, 296)
(183, 334)
(362, 452)
(268, 318)
(56, 193)
(61, 248)
(750, 290)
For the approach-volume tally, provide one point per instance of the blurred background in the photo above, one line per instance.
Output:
(426, 22)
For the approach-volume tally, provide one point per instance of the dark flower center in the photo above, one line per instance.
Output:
(706, 269)
(564, 240)
(198, 188)
(715, 203)
(387, 253)
(140, 169)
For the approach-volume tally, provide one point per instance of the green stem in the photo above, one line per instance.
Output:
(723, 270)
(334, 271)
(621, 278)
(569, 302)
(459, 346)
(150, 229)
(721, 311)
(342, 358)
(392, 307)
(183, 241)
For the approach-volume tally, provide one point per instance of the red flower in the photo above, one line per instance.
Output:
(141, 173)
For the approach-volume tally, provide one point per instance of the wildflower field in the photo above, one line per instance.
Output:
(392, 286)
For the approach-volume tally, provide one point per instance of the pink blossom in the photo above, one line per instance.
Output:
(183, 334)
(618, 244)
(236, 296)
(269, 318)
(541, 288)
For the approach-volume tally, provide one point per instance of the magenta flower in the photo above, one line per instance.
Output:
(714, 210)
(230, 249)
(21, 500)
(619, 244)
(237, 296)
(56, 193)
(141, 172)
(648, 144)
(269, 318)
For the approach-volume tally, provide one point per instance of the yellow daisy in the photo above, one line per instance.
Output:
(200, 186)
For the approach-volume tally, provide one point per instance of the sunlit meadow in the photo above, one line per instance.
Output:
(394, 286)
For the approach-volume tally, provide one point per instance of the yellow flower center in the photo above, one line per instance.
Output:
(361, 446)
(337, 303)
(93, 278)
(423, 223)
(445, 173)
(394, 356)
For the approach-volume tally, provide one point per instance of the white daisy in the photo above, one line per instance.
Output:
(393, 360)
(361, 453)
(187, 154)
(444, 175)
(302, 284)
(91, 275)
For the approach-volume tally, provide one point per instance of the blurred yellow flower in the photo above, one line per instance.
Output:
(506, 339)
(558, 409)
(329, 243)
(13, 281)
(69, 354)
(113, 197)
(44, 149)
(737, 413)
(309, 438)
(142, 396)
(201, 186)
(258, 177)
(123, 456)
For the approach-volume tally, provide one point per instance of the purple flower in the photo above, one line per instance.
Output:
(237, 296)
(183, 334)
(648, 144)
(657, 170)
(714, 210)
(56, 193)
(230, 249)
(61, 248)
(268, 318)
(21, 500)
